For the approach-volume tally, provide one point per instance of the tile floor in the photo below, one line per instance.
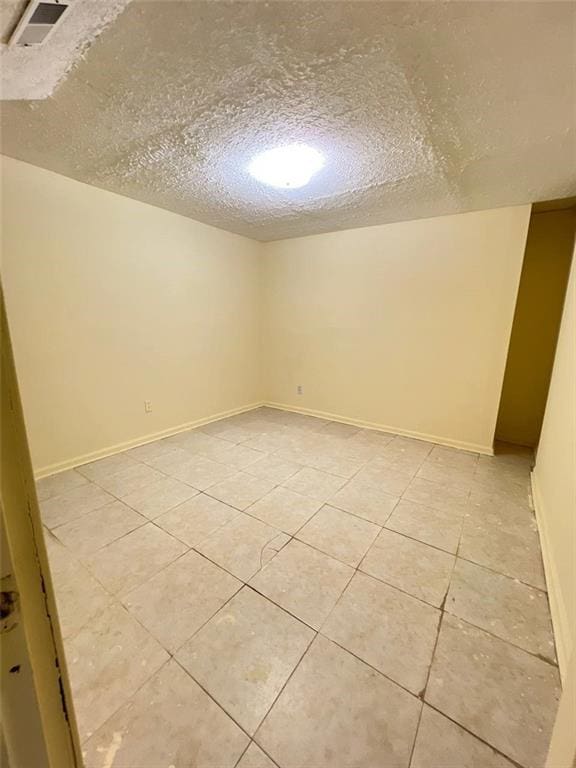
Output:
(278, 590)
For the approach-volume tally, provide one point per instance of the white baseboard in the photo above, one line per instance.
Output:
(560, 622)
(76, 461)
(487, 450)
(52, 469)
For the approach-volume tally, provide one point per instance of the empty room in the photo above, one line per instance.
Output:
(288, 384)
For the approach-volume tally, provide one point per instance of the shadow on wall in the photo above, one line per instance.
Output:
(536, 324)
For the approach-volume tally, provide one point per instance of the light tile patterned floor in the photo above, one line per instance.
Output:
(278, 590)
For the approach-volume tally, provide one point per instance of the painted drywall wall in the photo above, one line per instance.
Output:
(113, 302)
(535, 328)
(554, 482)
(404, 326)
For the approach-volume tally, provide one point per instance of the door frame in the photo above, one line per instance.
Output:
(38, 722)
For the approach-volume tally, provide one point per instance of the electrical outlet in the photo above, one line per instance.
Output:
(147, 406)
(299, 389)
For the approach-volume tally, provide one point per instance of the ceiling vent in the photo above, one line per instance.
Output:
(38, 22)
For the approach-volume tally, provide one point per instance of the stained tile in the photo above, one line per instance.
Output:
(244, 655)
(108, 660)
(411, 566)
(202, 473)
(440, 528)
(443, 744)
(133, 559)
(79, 597)
(255, 758)
(128, 480)
(436, 495)
(339, 534)
(387, 629)
(170, 721)
(284, 509)
(305, 582)
(177, 601)
(509, 698)
(513, 554)
(314, 483)
(273, 468)
(102, 468)
(56, 485)
(366, 500)
(194, 520)
(94, 530)
(241, 490)
(336, 711)
(158, 497)
(503, 607)
(61, 509)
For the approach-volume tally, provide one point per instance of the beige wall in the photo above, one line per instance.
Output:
(405, 326)
(112, 302)
(535, 327)
(554, 482)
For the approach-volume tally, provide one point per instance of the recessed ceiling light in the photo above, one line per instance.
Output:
(288, 167)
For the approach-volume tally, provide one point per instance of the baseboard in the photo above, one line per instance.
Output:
(560, 622)
(487, 450)
(52, 469)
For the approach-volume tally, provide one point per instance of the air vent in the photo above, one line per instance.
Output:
(38, 22)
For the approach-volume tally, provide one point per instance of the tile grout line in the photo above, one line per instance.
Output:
(356, 569)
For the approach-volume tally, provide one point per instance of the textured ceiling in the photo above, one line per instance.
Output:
(33, 72)
(421, 109)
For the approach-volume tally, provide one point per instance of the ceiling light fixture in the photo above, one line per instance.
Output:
(288, 167)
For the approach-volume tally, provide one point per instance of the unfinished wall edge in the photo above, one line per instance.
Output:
(560, 622)
(77, 461)
(486, 450)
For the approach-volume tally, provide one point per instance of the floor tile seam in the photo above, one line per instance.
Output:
(118, 538)
(263, 718)
(436, 707)
(500, 573)
(118, 594)
(199, 454)
(538, 656)
(111, 601)
(204, 623)
(210, 696)
(416, 696)
(331, 503)
(283, 687)
(343, 562)
(226, 569)
(418, 541)
(131, 696)
(511, 760)
(82, 514)
(119, 498)
(397, 588)
(113, 474)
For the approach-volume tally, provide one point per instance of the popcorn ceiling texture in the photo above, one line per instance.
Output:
(421, 109)
(34, 72)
